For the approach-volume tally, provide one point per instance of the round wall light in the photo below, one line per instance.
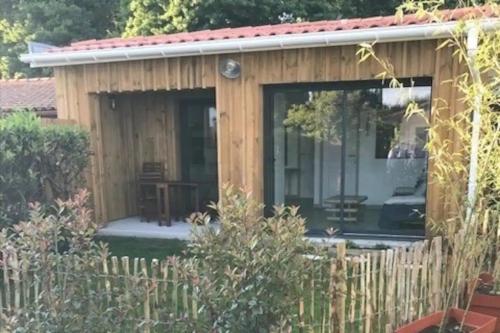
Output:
(230, 68)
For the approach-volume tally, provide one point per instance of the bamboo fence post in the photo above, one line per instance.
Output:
(26, 280)
(6, 281)
(136, 267)
(408, 266)
(312, 287)
(147, 309)
(126, 277)
(374, 258)
(362, 293)
(185, 302)
(341, 267)
(323, 300)
(331, 292)
(175, 287)
(400, 285)
(107, 283)
(381, 290)
(368, 317)
(436, 274)
(390, 280)
(424, 301)
(194, 301)
(353, 296)
(17, 281)
(301, 309)
(154, 286)
(164, 280)
(414, 294)
(115, 271)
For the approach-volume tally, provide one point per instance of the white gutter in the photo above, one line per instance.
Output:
(238, 45)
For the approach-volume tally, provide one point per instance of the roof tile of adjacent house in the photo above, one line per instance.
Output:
(37, 94)
(271, 30)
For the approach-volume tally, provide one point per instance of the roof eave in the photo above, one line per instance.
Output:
(253, 44)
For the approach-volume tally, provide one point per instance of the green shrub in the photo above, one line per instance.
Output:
(38, 163)
(250, 267)
(56, 253)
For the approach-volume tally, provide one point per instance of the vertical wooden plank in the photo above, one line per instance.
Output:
(407, 291)
(414, 294)
(14, 266)
(353, 318)
(175, 288)
(381, 288)
(333, 65)
(164, 277)
(6, 280)
(107, 282)
(369, 310)
(126, 278)
(436, 276)
(373, 277)
(331, 296)
(146, 305)
(349, 67)
(400, 285)
(342, 285)
(154, 286)
(423, 308)
(391, 280)
(362, 292)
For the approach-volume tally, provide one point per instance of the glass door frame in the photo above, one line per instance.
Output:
(346, 87)
(184, 104)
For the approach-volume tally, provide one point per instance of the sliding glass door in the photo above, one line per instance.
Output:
(348, 156)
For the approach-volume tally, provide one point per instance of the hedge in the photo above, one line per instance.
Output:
(38, 164)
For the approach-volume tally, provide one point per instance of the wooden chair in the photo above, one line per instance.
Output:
(152, 174)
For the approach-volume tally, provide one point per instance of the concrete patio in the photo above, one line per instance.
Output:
(133, 227)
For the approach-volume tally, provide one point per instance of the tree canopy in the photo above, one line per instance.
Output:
(159, 16)
(56, 22)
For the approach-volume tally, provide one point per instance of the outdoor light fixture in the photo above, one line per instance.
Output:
(230, 68)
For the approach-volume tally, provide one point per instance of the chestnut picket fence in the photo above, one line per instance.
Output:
(372, 291)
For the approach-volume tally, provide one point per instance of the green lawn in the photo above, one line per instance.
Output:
(143, 247)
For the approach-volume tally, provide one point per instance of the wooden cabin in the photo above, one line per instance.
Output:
(212, 107)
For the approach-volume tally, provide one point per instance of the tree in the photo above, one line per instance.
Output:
(56, 22)
(147, 17)
(160, 16)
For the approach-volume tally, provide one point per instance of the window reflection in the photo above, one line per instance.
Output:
(351, 159)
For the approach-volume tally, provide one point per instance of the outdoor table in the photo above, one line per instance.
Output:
(164, 186)
(350, 209)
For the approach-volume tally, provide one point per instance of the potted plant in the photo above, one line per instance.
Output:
(486, 298)
(459, 321)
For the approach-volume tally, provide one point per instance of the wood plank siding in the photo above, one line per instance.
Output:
(80, 91)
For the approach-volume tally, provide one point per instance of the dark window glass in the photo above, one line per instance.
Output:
(349, 156)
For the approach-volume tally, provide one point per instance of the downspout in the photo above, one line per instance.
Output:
(472, 44)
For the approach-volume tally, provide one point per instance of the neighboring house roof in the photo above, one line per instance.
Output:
(37, 94)
(268, 37)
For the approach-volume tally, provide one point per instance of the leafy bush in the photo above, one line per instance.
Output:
(38, 163)
(250, 267)
(57, 255)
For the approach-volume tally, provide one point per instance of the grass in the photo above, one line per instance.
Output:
(143, 247)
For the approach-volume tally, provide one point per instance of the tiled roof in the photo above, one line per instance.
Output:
(38, 94)
(272, 30)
